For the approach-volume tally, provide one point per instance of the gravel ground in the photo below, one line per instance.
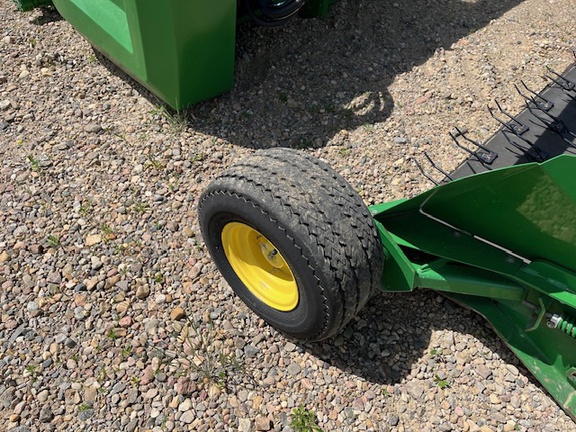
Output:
(113, 316)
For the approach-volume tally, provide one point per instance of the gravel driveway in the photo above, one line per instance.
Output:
(113, 317)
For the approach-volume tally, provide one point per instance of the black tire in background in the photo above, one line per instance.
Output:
(315, 221)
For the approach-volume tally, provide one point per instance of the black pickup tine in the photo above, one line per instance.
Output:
(437, 167)
(563, 82)
(476, 143)
(424, 173)
(513, 125)
(538, 100)
(556, 125)
(485, 156)
(553, 123)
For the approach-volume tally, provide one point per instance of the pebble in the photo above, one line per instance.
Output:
(244, 425)
(93, 128)
(177, 314)
(4, 257)
(142, 292)
(93, 239)
(294, 369)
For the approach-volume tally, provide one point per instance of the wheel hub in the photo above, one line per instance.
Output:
(260, 266)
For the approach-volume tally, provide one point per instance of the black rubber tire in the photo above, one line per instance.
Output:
(318, 223)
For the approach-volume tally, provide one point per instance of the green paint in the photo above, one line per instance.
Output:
(182, 50)
(504, 244)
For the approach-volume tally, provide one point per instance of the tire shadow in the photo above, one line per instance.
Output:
(394, 332)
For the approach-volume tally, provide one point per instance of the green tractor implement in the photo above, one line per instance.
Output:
(497, 235)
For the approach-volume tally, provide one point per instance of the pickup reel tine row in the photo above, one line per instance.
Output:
(517, 140)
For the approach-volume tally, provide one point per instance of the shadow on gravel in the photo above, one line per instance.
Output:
(394, 331)
(299, 84)
(49, 14)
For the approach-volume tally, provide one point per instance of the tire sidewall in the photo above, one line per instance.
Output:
(308, 319)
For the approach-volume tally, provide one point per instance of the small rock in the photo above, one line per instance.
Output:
(185, 405)
(142, 292)
(90, 395)
(93, 239)
(91, 283)
(125, 322)
(43, 396)
(294, 369)
(263, 424)
(185, 386)
(23, 229)
(250, 351)
(244, 425)
(93, 128)
(46, 414)
(122, 306)
(54, 277)
(85, 414)
(177, 314)
(483, 371)
(36, 249)
(4, 257)
(70, 343)
(188, 416)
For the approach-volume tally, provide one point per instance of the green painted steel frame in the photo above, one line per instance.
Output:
(502, 243)
(182, 50)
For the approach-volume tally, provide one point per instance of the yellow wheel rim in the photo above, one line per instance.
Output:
(260, 266)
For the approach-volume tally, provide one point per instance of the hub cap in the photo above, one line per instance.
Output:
(260, 266)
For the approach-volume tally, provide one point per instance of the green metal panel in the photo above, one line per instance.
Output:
(528, 211)
(182, 50)
(400, 273)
